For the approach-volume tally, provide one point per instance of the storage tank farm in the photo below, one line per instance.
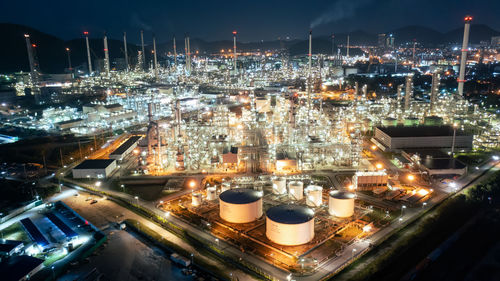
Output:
(341, 203)
(279, 185)
(314, 195)
(241, 205)
(211, 193)
(290, 225)
(296, 190)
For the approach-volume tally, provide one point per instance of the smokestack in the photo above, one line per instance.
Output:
(155, 58)
(234, 53)
(463, 60)
(142, 47)
(188, 55)
(434, 89)
(86, 33)
(413, 57)
(347, 46)
(333, 44)
(106, 54)
(31, 57)
(309, 73)
(408, 91)
(175, 53)
(68, 51)
(125, 47)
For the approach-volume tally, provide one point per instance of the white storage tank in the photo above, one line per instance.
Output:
(196, 199)
(341, 203)
(314, 195)
(296, 190)
(211, 193)
(279, 185)
(240, 205)
(290, 224)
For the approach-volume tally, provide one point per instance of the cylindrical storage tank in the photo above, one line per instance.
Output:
(279, 186)
(290, 224)
(240, 205)
(225, 186)
(296, 190)
(314, 195)
(211, 193)
(411, 121)
(196, 199)
(341, 203)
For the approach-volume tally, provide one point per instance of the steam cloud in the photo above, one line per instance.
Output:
(136, 20)
(339, 10)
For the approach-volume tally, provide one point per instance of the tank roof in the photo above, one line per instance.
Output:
(240, 196)
(342, 194)
(290, 214)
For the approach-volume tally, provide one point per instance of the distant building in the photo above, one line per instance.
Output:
(495, 41)
(94, 169)
(399, 137)
(381, 40)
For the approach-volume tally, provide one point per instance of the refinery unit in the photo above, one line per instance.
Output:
(286, 170)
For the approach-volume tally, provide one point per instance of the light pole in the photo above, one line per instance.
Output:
(352, 254)
(402, 209)
(137, 198)
(192, 259)
(453, 140)
(53, 273)
(424, 204)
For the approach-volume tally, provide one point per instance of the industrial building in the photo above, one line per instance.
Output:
(125, 149)
(94, 169)
(240, 205)
(370, 180)
(399, 137)
(290, 224)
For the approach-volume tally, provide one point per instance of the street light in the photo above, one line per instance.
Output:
(217, 240)
(98, 184)
(352, 254)
(411, 177)
(402, 209)
(379, 166)
(53, 273)
(137, 198)
(424, 204)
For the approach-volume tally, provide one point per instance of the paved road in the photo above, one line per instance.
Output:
(333, 265)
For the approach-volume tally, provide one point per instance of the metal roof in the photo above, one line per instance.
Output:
(420, 131)
(342, 194)
(126, 145)
(94, 164)
(290, 214)
(240, 196)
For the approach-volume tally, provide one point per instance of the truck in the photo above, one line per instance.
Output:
(180, 260)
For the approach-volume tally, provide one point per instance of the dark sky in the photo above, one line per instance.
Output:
(254, 19)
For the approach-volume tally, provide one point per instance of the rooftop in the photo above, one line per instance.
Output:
(94, 164)
(240, 196)
(442, 163)
(420, 131)
(126, 145)
(290, 214)
(342, 194)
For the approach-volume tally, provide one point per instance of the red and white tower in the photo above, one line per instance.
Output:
(463, 60)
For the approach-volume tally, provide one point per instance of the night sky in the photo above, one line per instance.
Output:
(254, 19)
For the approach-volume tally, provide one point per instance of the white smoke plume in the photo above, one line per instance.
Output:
(337, 11)
(137, 21)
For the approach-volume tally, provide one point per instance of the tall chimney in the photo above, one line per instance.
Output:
(434, 89)
(408, 91)
(86, 33)
(309, 73)
(413, 56)
(175, 53)
(155, 58)
(234, 53)
(188, 55)
(143, 54)
(463, 60)
(68, 52)
(125, 48)
(106, 54)
(31, 58)
(347, 51)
